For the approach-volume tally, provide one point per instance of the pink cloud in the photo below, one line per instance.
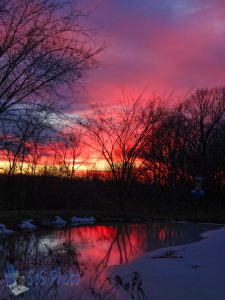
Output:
(165, 45)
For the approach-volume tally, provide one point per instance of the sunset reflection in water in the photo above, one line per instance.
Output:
(97, 249)
(122, 243)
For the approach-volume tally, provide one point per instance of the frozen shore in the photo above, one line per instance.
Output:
(189, 272)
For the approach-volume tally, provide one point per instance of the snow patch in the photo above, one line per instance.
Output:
(58, 221)
(78, 220)
(27, 224)
(4, 231)
(199, 273)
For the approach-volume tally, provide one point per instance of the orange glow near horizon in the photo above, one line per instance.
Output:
(88, 166)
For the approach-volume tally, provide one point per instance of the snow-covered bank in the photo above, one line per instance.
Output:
(4, 231)
(189, 272)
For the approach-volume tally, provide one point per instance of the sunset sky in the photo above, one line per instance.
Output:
(156, 45)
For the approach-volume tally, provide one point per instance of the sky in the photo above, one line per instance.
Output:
(155, 45)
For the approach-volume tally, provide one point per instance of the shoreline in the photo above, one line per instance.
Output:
(12, 218)
(193, 271)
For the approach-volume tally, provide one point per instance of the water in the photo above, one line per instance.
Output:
(74, 263)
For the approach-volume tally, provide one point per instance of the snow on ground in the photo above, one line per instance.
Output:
(27, 224)
(190, 272)
(4, 231)
(78, 220)
(59, 221)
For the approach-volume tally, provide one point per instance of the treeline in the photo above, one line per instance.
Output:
(138, 140)
(152, 152)
(147, 141)
(191, 141)
(157, 142)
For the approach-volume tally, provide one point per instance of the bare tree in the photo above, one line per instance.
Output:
(119, 135)
(25, 134)
(43, 48)
(66, 150)
(205, 112)
(165, 157)
(191, 134)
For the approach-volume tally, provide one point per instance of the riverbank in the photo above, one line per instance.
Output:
(42, 195)
(12, 217)
(189, 272)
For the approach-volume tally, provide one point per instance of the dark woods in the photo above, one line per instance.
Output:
(152, 154)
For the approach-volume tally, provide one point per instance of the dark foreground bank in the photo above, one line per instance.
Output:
(44, 197)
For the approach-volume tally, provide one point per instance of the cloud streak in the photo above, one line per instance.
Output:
(159, 44)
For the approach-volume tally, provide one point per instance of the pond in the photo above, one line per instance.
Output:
(74, 263)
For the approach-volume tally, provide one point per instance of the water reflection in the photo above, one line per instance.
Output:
(49, 259)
